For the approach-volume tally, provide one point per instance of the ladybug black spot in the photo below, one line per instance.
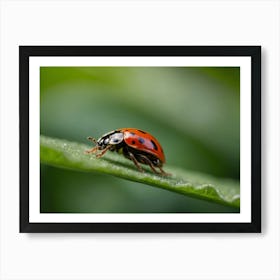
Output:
(142, 131)
(154, 145)
(141, 140)
(132, 142)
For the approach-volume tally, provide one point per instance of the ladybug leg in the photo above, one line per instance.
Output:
(163, 172)
(132, 157)
(147, 160)
(103, 151)
(93, 150)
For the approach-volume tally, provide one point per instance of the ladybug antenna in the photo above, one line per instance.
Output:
(91, 139)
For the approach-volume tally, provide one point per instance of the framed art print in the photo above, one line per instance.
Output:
(140, 138)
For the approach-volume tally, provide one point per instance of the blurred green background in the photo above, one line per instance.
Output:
(193, 111)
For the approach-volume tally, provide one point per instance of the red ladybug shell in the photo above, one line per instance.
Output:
(143, 141)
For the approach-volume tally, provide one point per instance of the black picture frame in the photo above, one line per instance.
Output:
(254, 52)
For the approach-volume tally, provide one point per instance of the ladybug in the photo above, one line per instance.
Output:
(135, 144)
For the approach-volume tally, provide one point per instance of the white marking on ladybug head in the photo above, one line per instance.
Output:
(116, 138)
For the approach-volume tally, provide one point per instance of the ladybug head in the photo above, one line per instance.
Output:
(111, 138)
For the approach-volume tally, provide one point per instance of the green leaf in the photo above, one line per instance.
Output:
(71, 155)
